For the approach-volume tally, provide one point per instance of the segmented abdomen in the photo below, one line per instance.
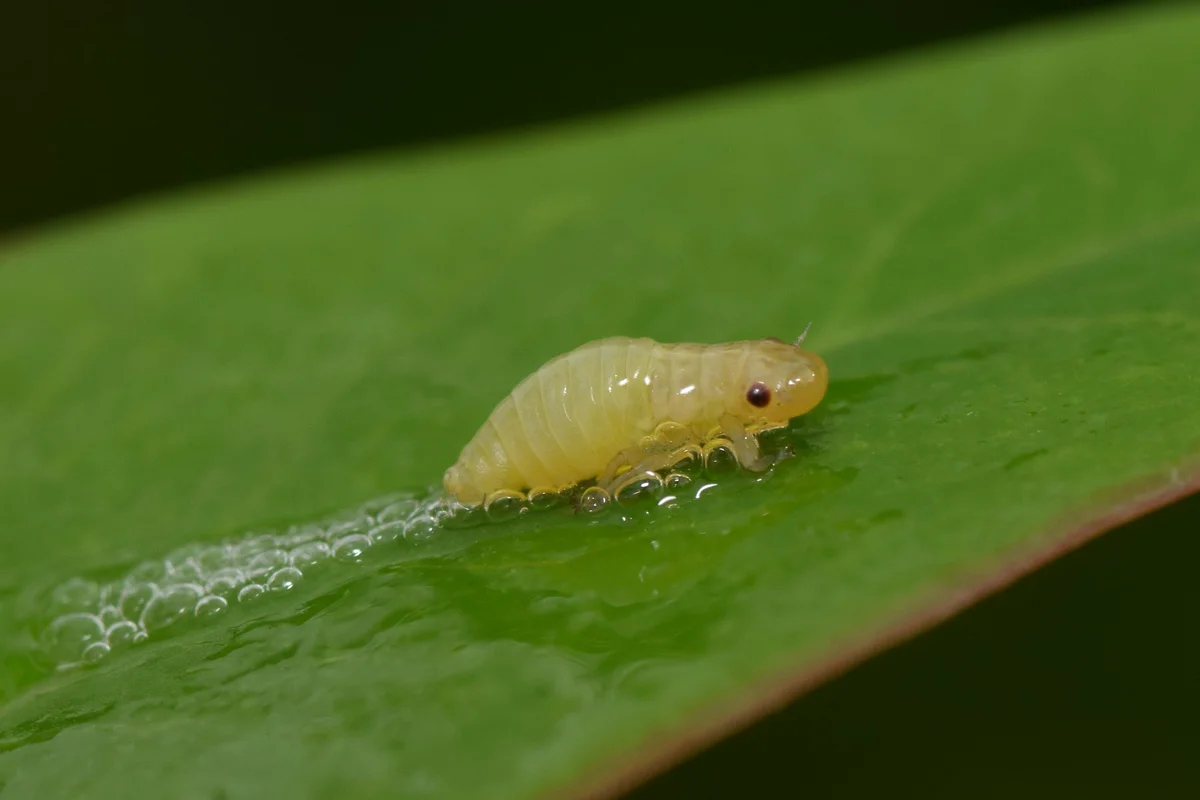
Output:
(565, 422)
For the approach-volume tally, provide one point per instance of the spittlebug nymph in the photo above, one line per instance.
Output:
(622, 407)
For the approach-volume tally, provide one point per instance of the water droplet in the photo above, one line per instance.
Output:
(387, 532)
(121, 633)
(70, 634)
(306, 555)
(351, 548)
(207, 606)
(400, 510)
(593, 500)
(284, 579)
(134, 598)
(419, 528)
(95, 652)
(171, 605)
(250, 591)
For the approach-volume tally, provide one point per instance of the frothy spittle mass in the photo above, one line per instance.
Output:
(91, 619)
(85, 620)
(617, 423)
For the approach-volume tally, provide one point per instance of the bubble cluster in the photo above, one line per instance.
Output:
(91, 620)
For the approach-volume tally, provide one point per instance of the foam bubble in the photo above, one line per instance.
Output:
(269, 560)
(645, 487)
(250, 591)
(95, 652)
(188, 571)
(309, 555)
(167, 608)
(75, 594)
(202, 579)
(420, 527)
(398, 511)
(134, 598)
(215, 559)
(351, 548)
(676, 481)
(110, 615)
(284, 579)
(388, 531)
(341, 530)
(149, 572)
(69, 635)
(594, 500)
(225, 582)
(302, 535)
(212, 604)
(121, 633)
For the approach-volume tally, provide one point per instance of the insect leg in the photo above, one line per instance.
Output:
(621, 459)
(650, 461)
(664, 450)
(613, 475)
(745, 446)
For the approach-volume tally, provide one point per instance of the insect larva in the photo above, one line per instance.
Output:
(620, 407)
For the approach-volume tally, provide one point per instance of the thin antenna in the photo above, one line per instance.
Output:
(800, 341)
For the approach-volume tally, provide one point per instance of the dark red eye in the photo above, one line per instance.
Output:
(758, 395)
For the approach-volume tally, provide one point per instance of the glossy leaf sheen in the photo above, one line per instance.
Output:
(997, 245)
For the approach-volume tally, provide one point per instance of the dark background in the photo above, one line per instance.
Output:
(1083, 678)
(106, 99)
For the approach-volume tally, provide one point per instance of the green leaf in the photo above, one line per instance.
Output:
(998, 247)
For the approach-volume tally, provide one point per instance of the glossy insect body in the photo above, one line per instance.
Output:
(602, 408)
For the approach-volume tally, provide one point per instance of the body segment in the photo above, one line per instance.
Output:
(594, 411)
